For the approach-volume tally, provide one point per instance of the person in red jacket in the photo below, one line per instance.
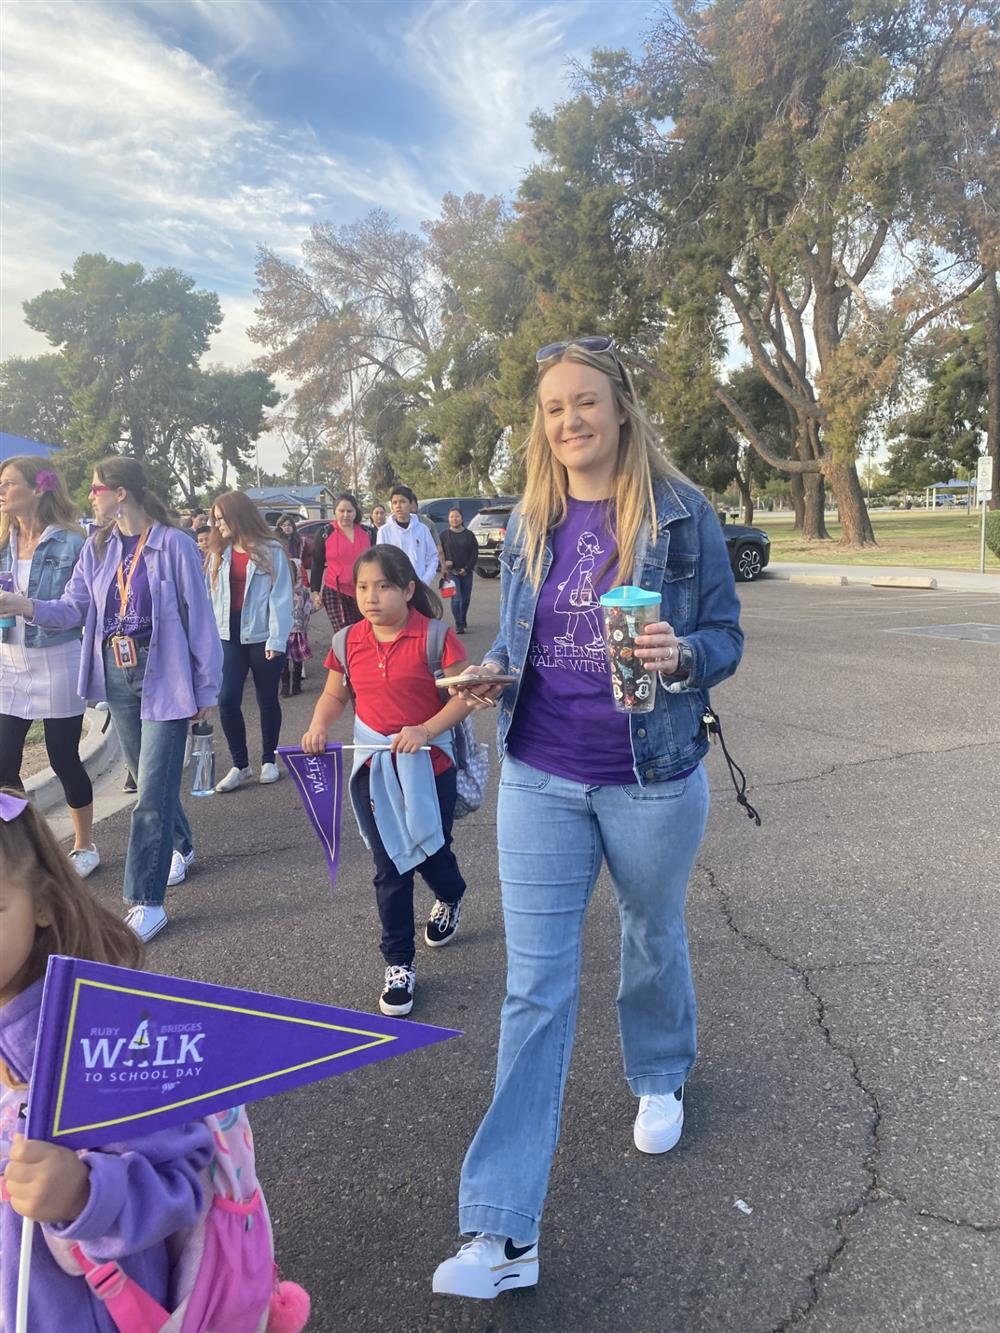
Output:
(331, 577)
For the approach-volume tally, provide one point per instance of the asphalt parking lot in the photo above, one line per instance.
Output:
(839, 1167)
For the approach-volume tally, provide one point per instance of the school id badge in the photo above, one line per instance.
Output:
(123, 647)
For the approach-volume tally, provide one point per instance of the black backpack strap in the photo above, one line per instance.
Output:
(713, 728)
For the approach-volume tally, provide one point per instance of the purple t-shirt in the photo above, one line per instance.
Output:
(565, 721)
(139, 608)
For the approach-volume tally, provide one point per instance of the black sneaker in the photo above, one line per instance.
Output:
(397, 998)
(442, 923)
(129, 783)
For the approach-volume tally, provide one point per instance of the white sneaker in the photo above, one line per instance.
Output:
(233, 779)
(485, 1267)
(268, 773)
(146, 920)
(659, 1122)
(85, 860)
(179, 867)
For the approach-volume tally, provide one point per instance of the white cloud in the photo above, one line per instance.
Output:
(120, 140)
(488, 74)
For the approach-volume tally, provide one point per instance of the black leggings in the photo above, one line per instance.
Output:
(62, 741)
(237, 659)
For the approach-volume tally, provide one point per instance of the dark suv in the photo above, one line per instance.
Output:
(749, 549)
(470, 505)
(490, 527)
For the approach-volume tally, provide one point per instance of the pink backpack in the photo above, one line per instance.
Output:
(223, 1275)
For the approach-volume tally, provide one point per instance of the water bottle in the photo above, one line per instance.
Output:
(202, 760)
(6, 585)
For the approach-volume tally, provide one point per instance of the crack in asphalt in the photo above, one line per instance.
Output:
(864, 763)
(983, 1228)
(875, 1188)
(871, 1190)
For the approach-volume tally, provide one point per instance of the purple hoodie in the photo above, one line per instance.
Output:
(141, 1192)
(184, 669)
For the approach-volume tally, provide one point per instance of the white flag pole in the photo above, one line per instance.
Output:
(24, 1275)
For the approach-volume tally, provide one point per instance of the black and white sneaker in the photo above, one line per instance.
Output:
(397, 997)
(485, 1267)
(442, 923)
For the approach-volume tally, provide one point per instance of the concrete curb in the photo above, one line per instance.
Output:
(98, 750)
(819, 580)
(886, 576)
(891, 581)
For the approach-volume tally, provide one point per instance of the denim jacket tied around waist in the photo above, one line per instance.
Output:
(51, 566)
(686, 561)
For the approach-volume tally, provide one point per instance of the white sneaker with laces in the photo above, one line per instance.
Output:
(268, 773)
(233, 779)
(85, 860)
(486, 1266)
(179, 863)
(146, 920)
(659, 1122)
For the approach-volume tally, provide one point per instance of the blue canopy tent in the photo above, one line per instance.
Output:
(13, 445)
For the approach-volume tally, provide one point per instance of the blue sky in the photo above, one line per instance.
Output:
(186, 132)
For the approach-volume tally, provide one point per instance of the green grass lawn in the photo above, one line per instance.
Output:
(933, 539)
(36, 734)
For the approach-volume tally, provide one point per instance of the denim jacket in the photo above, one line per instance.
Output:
(267, 603)
(51, 566)
(686, 561)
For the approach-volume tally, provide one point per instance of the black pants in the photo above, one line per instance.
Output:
(62, 741)
(237, 659)
(393, 891)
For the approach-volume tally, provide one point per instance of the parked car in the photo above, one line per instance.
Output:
(437, 510)
(490, 528)
(749, 549)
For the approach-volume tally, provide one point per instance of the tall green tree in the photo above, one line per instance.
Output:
(130, 342)
(945, 431)
(231, 411)
(775, 154)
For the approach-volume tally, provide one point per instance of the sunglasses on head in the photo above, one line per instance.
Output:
(599, 343)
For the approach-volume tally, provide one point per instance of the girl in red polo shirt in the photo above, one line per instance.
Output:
(395, 694)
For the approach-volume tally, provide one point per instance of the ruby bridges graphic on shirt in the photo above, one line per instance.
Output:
(122, 1053)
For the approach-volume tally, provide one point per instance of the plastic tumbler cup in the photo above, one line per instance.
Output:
(6, 585)
(627, 612)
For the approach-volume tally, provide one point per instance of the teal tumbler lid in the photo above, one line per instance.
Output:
(629, 598)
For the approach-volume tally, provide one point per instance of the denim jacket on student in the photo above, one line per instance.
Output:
(687, 563)
(51, 566)
(267, 603)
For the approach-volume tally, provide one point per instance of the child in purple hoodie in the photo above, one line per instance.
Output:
(122, 1202)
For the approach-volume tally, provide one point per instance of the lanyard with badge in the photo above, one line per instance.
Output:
(122, 644)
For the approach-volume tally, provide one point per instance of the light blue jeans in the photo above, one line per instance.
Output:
(552, 836)
(154, 752)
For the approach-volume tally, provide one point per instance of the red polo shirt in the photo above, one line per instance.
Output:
(392, 683)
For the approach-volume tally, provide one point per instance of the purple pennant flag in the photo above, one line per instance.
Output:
(320, 782)
(122, 1053)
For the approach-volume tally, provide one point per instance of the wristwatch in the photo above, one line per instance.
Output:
(685, 664)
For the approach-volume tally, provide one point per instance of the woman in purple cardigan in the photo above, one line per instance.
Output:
(151, 649)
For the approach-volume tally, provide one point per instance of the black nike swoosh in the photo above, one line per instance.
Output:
(511, 1251)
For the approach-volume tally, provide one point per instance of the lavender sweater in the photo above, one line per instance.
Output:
(141, 1192)
(184, 670)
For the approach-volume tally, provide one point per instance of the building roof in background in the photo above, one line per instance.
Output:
(298, 494)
